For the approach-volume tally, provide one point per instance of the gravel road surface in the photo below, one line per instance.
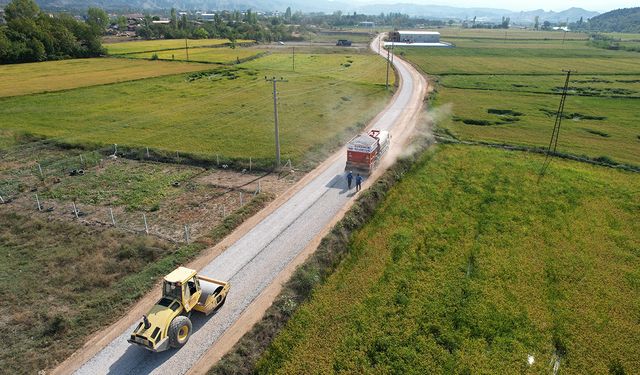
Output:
(252, 263)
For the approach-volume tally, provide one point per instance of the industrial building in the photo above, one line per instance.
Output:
(416, 38)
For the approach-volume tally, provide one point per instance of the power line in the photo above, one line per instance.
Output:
(553, 142)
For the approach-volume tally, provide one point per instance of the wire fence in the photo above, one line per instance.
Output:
(26, 170)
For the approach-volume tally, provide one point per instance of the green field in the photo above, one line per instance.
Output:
(211, 55)
(510, 34)
(226, 111)
(470, 266)
(21, 79)
(494, 57)
(163, 44)
(507, 92)
(614, 136)
(624, 36)
(333, 38)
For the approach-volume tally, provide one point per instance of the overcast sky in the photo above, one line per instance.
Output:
(555, 5)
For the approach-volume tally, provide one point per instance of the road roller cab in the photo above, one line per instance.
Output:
(167, 324)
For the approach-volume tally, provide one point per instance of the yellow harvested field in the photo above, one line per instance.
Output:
(210, 55)
(22, 79)
(164, 44)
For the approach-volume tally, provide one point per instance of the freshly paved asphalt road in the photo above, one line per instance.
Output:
(253, 262)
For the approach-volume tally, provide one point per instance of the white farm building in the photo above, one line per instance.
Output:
(416, 38)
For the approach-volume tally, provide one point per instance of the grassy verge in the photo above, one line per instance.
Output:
(471, 266)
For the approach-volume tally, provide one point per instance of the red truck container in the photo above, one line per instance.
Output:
(365, 150)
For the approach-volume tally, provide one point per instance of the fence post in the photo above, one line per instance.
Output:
(249, 164)
(113, 219)
(115, 148)
(146, 227)
(178, 156)
(217, 159)
(241, 201)
(40, 169)
(147, 152)
(38, 201)
(81, 161)
(75, 209)
(186, 233)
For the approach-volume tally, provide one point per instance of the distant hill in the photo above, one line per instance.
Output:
(436, 12)
(571, 14)
(481, 14)
(620, 20)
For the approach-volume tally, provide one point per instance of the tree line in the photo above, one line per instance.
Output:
(31, 35)
(265, 28)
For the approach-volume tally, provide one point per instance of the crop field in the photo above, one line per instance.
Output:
(623, 86)
(210, 55)
(624, 36)
(472, 266)
(163, 44)
(522, 58)
(22, 79)
(508, 92)
(509, 34)
(224, 111)
(597, 127)
(333, 38)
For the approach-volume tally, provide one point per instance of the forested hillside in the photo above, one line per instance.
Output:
(620, 20)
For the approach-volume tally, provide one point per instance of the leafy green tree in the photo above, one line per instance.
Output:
(122, 22)
(287, 14)
(98, 20)
(174, 18)
(184, 24)
(200, 33)
(16, 9)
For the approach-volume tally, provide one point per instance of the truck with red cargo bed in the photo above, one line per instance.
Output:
(364, 151)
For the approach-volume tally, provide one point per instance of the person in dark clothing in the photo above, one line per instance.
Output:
(349, 178)
(358, 182)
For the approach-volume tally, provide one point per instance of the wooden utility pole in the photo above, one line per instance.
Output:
(388, 52)
(186, 48)
(275, 116)
(392, 51)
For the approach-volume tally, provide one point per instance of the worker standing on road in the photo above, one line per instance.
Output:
(349, 178)
(358, 182)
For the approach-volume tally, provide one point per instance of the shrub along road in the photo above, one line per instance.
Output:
(257, 258)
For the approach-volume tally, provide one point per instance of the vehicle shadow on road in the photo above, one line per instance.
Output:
(339, 182)
(137, 360)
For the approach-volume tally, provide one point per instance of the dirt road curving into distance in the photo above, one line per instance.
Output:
(257, 258)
